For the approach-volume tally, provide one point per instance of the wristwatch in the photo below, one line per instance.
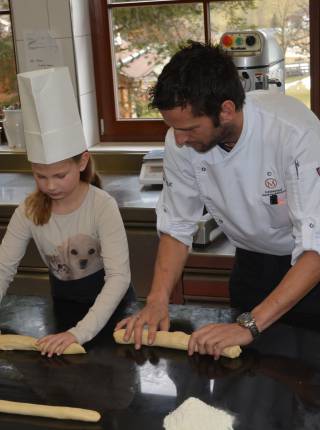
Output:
(246, 320)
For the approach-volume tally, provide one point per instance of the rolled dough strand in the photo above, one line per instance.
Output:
(174, 339)
(10, 342)
(57, 412)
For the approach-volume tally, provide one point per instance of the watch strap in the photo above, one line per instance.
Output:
(253, 329)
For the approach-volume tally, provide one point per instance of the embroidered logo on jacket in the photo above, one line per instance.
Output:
(270, 183)
(272, 186)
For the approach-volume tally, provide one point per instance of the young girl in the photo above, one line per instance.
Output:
(76, 226)
(80, 235)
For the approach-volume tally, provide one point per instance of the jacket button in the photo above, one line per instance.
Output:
(311, 225)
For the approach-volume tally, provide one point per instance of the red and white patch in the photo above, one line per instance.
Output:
(270, 183)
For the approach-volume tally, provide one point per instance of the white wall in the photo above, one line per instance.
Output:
(68, 22)
(85, 72)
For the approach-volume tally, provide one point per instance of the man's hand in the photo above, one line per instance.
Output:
(213, 338)
(55, 343)
(170, 261)
(155, 315)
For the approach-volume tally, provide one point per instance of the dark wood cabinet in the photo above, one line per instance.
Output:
(32, 277)
(198, 285)
(143, 244)
(204, 278)
(206, 274)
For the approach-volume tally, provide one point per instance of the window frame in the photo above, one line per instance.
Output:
(151, 130)
(8, 11)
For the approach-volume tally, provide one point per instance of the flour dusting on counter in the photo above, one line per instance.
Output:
(193, 414)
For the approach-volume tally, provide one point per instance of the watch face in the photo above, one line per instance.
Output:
(244, 318)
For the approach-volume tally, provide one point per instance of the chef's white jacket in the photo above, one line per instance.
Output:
(277, 158)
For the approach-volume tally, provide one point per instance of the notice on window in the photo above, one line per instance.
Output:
(41, 50)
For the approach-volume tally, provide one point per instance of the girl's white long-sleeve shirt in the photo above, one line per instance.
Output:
(74, 246)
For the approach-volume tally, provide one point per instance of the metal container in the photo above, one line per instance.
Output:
(208, 231)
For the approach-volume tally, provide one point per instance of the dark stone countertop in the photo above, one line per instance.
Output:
(273, 385)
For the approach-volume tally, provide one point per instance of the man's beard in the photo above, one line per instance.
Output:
(224, 134)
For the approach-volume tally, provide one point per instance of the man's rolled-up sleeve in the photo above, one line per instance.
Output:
(303, 189)
(179, 207)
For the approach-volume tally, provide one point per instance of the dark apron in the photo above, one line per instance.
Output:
(73, 299)
(255, 275)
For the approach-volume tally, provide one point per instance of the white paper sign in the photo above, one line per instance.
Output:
(41, 50)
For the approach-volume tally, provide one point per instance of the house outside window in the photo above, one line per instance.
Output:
(133, 40)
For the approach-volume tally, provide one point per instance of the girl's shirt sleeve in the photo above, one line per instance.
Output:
(115, 255)
(13, 247)
(179, 207)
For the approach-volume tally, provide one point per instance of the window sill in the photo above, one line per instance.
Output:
(108, 158)
(119, 147)
(125, 147)
(8, 150)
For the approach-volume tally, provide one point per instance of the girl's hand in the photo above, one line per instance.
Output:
(55, 343)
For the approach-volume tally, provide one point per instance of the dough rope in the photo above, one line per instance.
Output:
(175, 340)
(10, 342)
(57, 412)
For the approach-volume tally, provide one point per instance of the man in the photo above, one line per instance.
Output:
(254, 163)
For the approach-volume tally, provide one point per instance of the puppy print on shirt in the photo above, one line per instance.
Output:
(58, 268)
(77, 257)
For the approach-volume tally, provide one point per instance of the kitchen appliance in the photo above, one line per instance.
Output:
(152, 168)
(13, 127)
(208, 231)
(258, 58)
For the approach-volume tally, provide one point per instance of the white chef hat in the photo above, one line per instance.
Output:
(52, 125)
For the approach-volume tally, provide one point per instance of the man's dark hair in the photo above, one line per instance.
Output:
(202, 76)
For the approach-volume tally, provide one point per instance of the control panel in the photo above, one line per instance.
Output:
(244, 43)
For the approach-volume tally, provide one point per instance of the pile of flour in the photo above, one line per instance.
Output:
(193, 414)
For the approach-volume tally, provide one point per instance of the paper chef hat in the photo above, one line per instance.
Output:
(52, 125)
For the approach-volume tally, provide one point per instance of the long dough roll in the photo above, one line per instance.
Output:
(27, 343)
(174, 339)
(57, 412)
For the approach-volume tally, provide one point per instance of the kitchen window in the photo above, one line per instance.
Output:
(132, 40)
(8, 82)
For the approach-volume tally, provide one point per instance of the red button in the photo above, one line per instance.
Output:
(227, 40)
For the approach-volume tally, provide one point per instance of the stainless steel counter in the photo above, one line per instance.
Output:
(14, 187)
(136, 203)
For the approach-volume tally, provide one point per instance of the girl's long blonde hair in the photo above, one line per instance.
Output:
(38, 205)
